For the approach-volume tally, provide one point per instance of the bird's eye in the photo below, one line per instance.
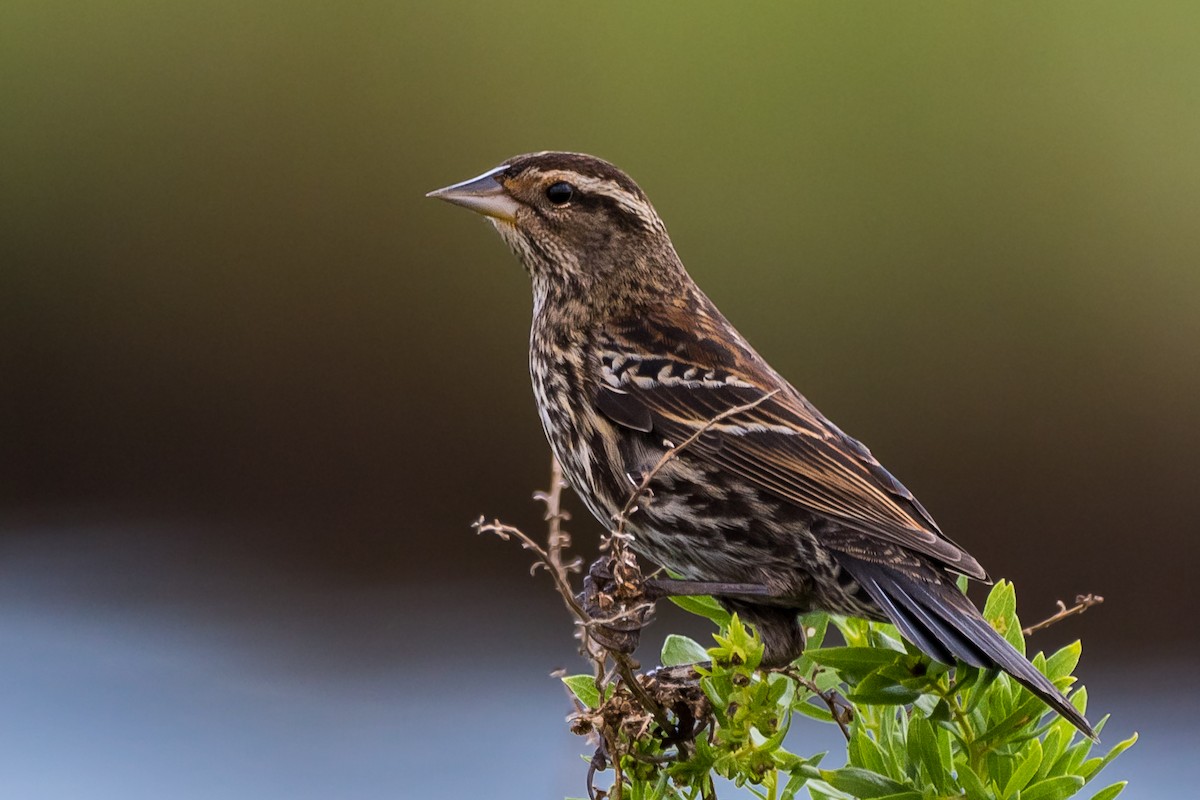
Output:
(560, 193)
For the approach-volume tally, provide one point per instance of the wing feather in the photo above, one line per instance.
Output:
(783, 445)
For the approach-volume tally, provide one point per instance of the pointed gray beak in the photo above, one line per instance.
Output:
(485, 195)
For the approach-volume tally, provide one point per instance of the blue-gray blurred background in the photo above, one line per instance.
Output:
(254, 387)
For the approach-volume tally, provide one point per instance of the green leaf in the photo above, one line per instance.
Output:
(1029, 761)
(1052, 747)
(826, 679)
(1109, 792)
(971, 783)
(1063, 663)
(1053, 788)
(923, 750)
(772, 744)
(1001, 601)
(815, 626)
(966, 676)
(738, 647)
(979, 691)
(584, 688)
(782, 690)
(820, 790)
(1089, 767)
(1090, 772)
(863, 783)
(912, 674)
(997, 701)
(793, 785)
(886, 636)
(878, 690)
(999, 768)
(818, 712)
(1066, 735)
(854, 662)
(864, 751)
(1000, 611)
(1072, 757)
(1079, 699)
(680, 650)
(697, 768)
(717, 688)
(938, 710)
(703, 606)
(1025, 715)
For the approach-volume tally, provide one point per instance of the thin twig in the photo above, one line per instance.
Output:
(626, 669)
(1082, 603)
(557, 573)
(557, 539)
(829, 697)
(550, 558)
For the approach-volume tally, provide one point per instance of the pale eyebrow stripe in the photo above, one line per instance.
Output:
(605, 187)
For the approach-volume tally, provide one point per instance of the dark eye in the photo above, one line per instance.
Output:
(560, 193)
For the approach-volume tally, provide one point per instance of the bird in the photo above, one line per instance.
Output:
(629, 358)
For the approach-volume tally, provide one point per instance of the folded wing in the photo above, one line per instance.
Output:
(783, 444)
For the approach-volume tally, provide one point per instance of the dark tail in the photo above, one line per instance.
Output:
(940, 620)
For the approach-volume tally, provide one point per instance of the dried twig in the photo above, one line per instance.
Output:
(557, 539)
(552, 564)
(550, 558)
(1082, 603)
(842, 712)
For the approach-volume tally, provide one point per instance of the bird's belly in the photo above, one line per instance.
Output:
(730, 532)
(573, 439)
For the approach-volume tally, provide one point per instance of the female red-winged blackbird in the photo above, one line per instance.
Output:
(628, 356)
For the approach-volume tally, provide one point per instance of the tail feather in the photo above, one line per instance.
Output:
(942, 622)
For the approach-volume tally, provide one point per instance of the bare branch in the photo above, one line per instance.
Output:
(557, 539)
(552, 564)
(841, 711)
(1082, 603)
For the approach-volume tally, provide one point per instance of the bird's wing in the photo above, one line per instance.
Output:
(782, 444)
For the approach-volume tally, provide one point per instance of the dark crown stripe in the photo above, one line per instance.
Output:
(588, 166)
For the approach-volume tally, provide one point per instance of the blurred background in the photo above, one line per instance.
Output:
(254, 387)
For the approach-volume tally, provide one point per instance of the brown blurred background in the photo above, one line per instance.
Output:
(254, 387)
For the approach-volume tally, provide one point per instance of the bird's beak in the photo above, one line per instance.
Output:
(485, 195)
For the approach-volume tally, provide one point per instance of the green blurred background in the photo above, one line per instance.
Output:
(254, 387)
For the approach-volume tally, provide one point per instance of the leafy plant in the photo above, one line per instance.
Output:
(914, 729)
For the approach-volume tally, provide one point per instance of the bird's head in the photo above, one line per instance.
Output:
(578, 224)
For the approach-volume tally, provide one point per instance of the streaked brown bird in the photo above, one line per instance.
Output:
(628, 356)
